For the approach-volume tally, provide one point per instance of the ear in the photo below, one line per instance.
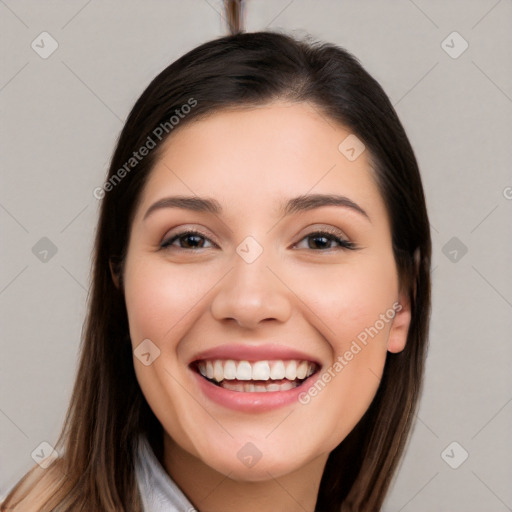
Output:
(400, 325)
(115, 271)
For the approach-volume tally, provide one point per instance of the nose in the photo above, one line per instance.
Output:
(250, 294)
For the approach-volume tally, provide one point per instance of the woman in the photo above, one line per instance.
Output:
(258, 319)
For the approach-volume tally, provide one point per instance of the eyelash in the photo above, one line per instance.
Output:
(332, 236)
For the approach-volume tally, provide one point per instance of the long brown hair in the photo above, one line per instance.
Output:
(107, 409)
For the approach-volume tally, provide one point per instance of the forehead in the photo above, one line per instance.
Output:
(247, 158)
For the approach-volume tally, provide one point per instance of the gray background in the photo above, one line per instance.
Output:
(61, 117)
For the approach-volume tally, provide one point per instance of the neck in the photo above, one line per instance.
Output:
(211, 491)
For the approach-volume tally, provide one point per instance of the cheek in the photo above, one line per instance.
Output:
(354, 310)
(350, 298)
(160, 302)
(159, 298)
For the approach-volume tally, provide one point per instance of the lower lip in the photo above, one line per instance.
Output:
(253, 401)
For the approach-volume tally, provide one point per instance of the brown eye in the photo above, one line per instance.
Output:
(187, 240)
(321, 240)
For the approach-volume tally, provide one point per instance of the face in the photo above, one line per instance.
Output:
(264, 321)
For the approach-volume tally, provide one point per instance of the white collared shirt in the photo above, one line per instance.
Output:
(158, 490)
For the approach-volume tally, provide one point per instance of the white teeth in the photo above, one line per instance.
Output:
(221, 370)
(243, 371)
(230, 370)
(202, 368)
(218, 371)
(285, 386)
(302, 370)
(291, 370)
(247, 387)
(278, 370)
(209, 369)
(233, 387)
(261, 370)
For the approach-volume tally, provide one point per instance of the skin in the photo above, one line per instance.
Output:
(299, 293)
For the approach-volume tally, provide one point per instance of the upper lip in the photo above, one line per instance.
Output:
(245, 352)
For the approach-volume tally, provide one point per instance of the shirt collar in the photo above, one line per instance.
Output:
(158, 491)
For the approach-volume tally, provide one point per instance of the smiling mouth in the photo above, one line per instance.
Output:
(255, 376)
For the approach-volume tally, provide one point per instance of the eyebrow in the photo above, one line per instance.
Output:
(298, 204)
(311, 201)
(193, 203)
